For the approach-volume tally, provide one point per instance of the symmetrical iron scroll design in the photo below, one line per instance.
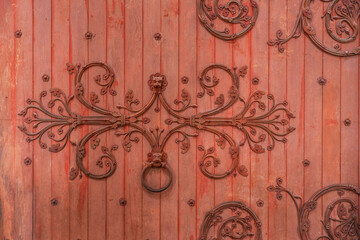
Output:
(341, 219)
(240, 12)
(341, 22)
(231, 220)
(258, 128)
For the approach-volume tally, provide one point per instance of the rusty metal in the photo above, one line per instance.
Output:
(260, 203)
(45, 78)
(260, 125)
(341, 218)
(18, 34)
(122, 202)
(341, 22)
(306, 163)
(89, 35)
(157, 36)
(243, 13)
(184, 80)
(231, 220)
(191, 202)
(27, 161)
(347, 122)
(255, 81)
(322, 81)
(54, 202)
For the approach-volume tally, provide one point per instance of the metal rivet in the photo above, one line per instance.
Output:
(347, 122)
(255, 81)
(157, 36)
(89, 35)
(54, 202)
(337, 46)
(322, 81)
(191, 202)
(260, 203)
(45, 78)
(122, 202)
(306, 163)
(340, 193)
(18, 33)
(184, 80)
(27, 161)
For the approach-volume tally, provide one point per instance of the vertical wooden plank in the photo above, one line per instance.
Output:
(151, 64)
(188, 161)
(42, 158)
(241, 56)
(295, 96)
(133, 160)
(331, 120)
(60, 78)
(8, 51)
(349, 111)
(258, 171)
(170, 68)
(97, 204)
(204, 185)
(313, 118)
(223, 55)
(78, 54)
(23, 184)
(7, 139)
(277, 87)
(115, 213)
(7, 48)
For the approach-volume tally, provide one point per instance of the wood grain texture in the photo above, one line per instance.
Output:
(42, 17)
(53, 33)
(78, 54)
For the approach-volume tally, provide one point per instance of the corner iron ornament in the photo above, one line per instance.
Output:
(56, 121)
(341, 218)
(231, 220)
(341, 23)
(242, 13)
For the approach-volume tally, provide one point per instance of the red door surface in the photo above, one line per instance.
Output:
(169, 119)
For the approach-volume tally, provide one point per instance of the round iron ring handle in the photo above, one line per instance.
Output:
(143, 176)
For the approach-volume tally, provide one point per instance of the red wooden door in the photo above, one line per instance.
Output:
(169, 119)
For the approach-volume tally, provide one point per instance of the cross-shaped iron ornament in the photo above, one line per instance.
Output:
(255, 121)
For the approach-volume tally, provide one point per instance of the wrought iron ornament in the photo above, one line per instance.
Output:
(243, 13)
(231, 220)
(341, 23)
(260, 125)
(341, 219)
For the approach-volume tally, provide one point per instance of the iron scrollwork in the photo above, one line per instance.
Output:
(341, 22)
(57, 121)
(341, 218)
(231, 220)
(240, 12)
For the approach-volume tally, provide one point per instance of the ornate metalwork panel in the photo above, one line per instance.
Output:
(341, 217)
(219, 16)
(260, 125)
(231, 220)
(341, 19)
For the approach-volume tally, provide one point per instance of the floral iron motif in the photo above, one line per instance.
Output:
(231, 12)
(341, 219)
(254, 126)
(341, 22)
(231, 220)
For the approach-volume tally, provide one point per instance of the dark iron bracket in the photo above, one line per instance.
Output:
(341, 218)
(231, 220)
(259, 124)
(238, 12)
(341, 22)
